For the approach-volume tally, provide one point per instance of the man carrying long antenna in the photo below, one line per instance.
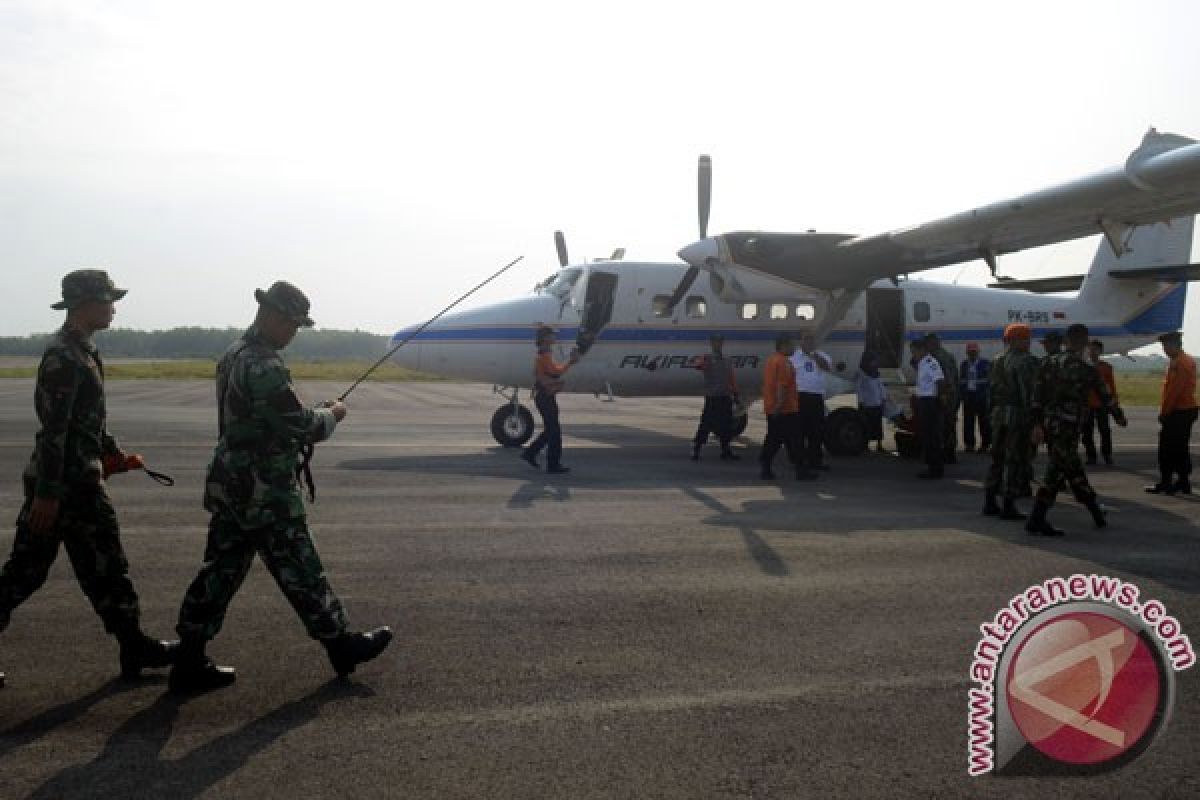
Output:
(253, 492)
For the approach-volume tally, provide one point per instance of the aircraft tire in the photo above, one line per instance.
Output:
(845, 433)
(512, 429)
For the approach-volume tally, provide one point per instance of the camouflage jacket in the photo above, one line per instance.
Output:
(263, 428)
(69, 400)
(1014, 374)
(1060, 397)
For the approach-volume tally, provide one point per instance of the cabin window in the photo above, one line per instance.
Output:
(921, 312)
(806, 312)
(697, 308)
(749, 310)
(661, 305)
(779, 311)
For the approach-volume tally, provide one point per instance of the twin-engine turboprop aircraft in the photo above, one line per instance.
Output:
(642, 326)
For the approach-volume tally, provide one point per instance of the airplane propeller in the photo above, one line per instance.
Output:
(704, 203)
(560, 244)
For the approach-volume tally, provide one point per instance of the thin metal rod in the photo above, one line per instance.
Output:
(432, 320)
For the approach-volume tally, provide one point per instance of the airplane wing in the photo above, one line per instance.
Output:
(1160, 180)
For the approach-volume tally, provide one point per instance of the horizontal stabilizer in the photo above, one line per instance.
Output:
(1180, 272)
(1060, 283)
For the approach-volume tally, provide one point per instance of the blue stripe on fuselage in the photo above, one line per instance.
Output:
(482, 334)
(1166, 314)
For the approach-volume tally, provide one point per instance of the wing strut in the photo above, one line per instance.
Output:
(1116, 234)
(837, 304)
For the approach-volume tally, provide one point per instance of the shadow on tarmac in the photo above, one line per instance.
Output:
(1141, 539)
(35, 728)
(130, 764)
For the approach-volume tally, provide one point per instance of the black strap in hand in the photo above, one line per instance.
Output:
(304, 469)
(161, 478)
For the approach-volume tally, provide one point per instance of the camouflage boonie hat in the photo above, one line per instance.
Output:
(287, 300)
(82, 285)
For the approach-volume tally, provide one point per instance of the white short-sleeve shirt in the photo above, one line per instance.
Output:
(810, 378)
(929, 372)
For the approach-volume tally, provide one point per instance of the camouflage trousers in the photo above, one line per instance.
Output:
(287, 550)
(1065, 468)
(1012, 459)
(87, 528)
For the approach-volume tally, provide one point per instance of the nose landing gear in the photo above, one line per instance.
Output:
(512, 424)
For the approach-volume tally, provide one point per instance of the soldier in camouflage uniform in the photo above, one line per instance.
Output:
(1013, 377)
(950, 398)
(65, 498)
(253, 492)
(1060, 400)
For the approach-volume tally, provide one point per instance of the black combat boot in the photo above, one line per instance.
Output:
(351, 649)
(1099, 516)
(1010, 510)
(1164, 486)
(139, 651)
(990, 509)
(195, 672)
(1037, 524)
(728, 455)
(1183, 486)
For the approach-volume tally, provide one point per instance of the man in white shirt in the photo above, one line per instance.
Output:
(811, 365)
(930, 382)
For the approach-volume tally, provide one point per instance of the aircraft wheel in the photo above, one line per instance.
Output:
(512, 426)
(845, 433)
(740, 424)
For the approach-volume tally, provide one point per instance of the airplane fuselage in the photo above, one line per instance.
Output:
(646, 349)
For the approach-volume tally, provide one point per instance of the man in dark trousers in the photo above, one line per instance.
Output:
(720, 395)
(811, 366)
(66, 502)
(780, 404)
(547, 382)
(974, 386)
(949, 396)
(1060, 396)
(930, 390)
(252, 489)
(1176, 415)
(1097, 416)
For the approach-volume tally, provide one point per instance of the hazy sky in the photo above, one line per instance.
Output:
(387, 156)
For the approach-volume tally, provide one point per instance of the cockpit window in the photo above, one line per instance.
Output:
(561, 283)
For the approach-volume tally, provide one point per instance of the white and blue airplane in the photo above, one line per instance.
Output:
(643, 326)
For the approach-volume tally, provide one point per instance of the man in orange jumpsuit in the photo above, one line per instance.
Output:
(782, 407)
(1176, 416)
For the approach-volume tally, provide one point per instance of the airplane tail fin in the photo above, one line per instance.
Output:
(1150, 303)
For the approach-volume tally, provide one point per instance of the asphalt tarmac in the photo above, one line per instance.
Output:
(643, 627)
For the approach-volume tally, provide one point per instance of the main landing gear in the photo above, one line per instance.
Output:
(512, 424)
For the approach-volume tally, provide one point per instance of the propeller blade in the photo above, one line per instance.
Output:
(689, 278)
(704, 192)
(560, 244)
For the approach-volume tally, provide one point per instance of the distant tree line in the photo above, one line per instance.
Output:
(317, 345)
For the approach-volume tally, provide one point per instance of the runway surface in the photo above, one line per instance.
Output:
(643, 627)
